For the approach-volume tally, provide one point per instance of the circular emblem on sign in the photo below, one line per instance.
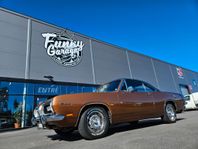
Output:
(63, 49)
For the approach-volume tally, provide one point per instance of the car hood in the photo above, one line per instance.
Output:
(85, 97)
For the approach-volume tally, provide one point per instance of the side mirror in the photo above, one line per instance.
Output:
(130, 89)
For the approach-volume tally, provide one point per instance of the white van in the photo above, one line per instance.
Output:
(191, 101)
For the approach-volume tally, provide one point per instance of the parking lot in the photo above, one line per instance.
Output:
(148, 134)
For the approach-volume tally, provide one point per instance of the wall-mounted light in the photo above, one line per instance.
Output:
(50, 78)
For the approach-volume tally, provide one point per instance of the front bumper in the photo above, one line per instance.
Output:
(42, 120)
(50, 118)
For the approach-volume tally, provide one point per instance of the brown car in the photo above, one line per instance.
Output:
(123, 100)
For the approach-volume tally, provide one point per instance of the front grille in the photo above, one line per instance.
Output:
(47, 108)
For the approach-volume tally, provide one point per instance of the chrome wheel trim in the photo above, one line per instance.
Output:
(96, 122)
(170, 112)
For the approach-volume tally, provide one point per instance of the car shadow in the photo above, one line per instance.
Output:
(75, 136)
(188, 110)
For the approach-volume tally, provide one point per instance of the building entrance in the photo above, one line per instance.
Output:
(184, 89)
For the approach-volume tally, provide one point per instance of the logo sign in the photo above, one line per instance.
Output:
(180, 73)
(63, 49)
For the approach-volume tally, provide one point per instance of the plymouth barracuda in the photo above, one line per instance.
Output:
(120, 101)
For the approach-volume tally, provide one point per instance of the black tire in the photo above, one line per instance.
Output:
(170, 115)
(134, 122)
(63, 132)
(94, 123)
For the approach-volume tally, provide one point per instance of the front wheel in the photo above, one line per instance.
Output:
(94, 123)
(169, 114)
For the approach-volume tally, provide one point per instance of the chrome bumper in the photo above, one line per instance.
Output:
(45, 119)
(51, 118)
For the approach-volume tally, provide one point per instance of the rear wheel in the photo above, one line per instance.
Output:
(169, 114)
(94, 123)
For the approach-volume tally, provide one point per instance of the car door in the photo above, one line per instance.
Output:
(136, 100)
(156, 101)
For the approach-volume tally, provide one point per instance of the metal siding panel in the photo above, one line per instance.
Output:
(42, 64)
(13, 37)
(142, 68)
(166, 82)
(110, 62)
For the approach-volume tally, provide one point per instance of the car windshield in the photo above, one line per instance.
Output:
(109, 87)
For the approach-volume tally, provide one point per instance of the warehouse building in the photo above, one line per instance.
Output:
(39, 60)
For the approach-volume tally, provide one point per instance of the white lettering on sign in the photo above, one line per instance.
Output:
(43, 90)
(63, 49)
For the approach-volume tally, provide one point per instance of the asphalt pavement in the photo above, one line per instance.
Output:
(148, 134)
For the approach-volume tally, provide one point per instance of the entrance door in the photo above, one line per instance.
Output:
(184, 89)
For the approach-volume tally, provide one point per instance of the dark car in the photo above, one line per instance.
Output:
(123, 100)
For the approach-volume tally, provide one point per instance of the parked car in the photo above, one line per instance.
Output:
(123, 100)
(191, 101)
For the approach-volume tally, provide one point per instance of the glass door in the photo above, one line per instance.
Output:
(184, 90)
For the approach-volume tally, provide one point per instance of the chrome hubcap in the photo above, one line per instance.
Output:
(170, 112)
(96, 123)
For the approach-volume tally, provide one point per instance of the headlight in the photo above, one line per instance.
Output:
(51, 106)
(40, 107)
(36, 113)
(48, 107)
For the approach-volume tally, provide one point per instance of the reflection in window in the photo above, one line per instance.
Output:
(12, 116)
(30, 105)
(13, 87)
(109, 87)
(11, 100)
(72, 89)
(87, 89)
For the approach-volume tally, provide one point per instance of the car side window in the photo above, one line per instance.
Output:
(148, 88)
(135, 86)
(139, 86)
(124, 88)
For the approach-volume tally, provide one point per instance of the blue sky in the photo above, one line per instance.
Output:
(163, 29)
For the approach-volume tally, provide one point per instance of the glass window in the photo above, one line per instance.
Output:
(30, 105)
(30, 88)
(87, 89)
(124, 88)
(13, 87)
(11, 113)
(109, 87)
(135, 86)
(149, 88)
(63, 89)
(138, 86)
(72, 89)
